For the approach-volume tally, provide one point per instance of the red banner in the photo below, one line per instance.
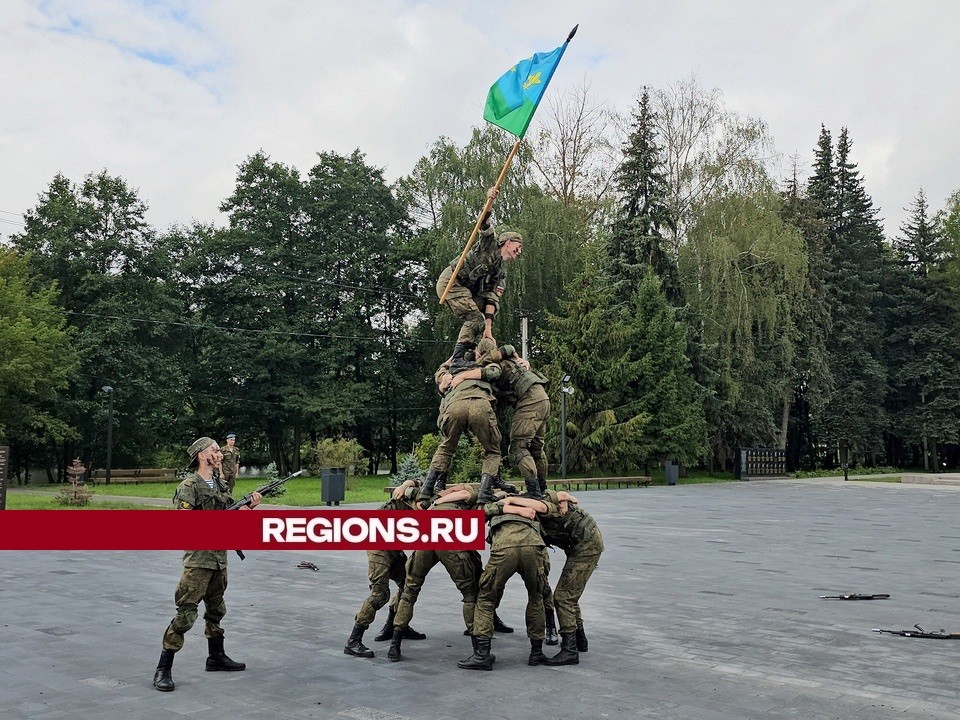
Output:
(259, 529)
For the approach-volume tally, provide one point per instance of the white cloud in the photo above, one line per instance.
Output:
(174, 95)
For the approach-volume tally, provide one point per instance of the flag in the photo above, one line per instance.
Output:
(513, 99)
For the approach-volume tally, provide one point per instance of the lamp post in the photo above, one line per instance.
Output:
(109, 391)
(565, 389)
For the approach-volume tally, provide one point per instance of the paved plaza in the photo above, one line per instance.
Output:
(705, 605)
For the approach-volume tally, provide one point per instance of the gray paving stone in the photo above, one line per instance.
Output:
(705, 605)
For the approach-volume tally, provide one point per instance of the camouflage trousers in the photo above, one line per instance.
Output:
(565, 597)
(230, 478)
(527, 433)
(382, 567)
(530, 563)
(477, 416)
(197, 584)
(460, 565)
(465, 306)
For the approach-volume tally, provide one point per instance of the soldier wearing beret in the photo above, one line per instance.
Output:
(204, 574)
(231, 461)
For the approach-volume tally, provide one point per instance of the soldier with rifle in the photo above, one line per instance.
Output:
(204, 574)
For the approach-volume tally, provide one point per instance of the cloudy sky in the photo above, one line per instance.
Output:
(173, 94)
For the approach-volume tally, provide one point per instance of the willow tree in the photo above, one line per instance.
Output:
(744, 271)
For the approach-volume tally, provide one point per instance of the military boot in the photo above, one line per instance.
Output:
(463, 357)
(481, 658)
(551, 637)
(533, 489)
(536, 653)
(218, 660)
(387, 632)
(485, 493)
(425, 496)
(568, 654)
(162, 678)
(499, 625)
(355, 644)
(473, 640)
(393, 654)
(581, 639)
(499, 484)
(441, 484)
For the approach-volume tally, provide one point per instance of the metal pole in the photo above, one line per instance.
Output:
(563, 433)
(524, 330)
(109, 390)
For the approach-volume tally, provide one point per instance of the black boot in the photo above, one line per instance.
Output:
(481, 659)
(499, 484)
(355, 644)
(411, 634)
(387, 632)
(533, 489)
(485, 493)
(568, 654)
(581, 639)
(218, 660)
(499, 625)
(536, 653)
(441, 483)
(393, 654)
(463, 356)
(425, 496)
(551, 630)
(162, 678)
(473, 640)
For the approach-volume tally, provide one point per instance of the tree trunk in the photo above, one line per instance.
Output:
(785, 417)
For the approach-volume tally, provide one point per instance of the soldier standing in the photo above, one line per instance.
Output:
(204, 574)
(231, 460)
(475, 294)
(382, 567)
(467, 406)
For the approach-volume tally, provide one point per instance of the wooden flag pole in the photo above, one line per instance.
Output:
(487, 206)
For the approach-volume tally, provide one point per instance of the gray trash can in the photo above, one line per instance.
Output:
(333, 485)
(671, 472)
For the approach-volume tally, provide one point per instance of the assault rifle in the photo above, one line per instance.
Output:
(272, 488)
(940, 634)
(856, 596)
(269, 490)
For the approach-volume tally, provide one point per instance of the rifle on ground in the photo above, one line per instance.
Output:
(271, 489)
(856, 596)
(940, 634)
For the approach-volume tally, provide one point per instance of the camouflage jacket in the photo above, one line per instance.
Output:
(482, 272)
(194, 494)
(231, 460)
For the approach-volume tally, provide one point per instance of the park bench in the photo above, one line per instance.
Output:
(576, 483)
(133, 476)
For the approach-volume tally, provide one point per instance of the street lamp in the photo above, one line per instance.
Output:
(109, 391)
(565, 389)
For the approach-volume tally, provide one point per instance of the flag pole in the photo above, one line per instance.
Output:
(488, 205)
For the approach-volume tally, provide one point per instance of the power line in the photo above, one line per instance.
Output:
(8, 212)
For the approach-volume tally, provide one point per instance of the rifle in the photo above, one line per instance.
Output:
(940, 634)
(269, 490)
(272, 488)
(856, 596)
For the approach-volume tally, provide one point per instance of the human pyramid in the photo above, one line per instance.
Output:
(477, 376)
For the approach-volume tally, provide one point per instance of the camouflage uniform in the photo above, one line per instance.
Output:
(204, 571)
(524, 389)
(516, 547)
(479, 283)
(230, 465)
(461, 565)
(469, 406)
(384, 566)
(577, 534)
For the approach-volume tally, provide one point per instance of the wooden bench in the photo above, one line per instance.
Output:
(133, 476)
(575, 483)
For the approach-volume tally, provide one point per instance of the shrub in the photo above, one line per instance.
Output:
(77, 494)
(408, 469)
(338, 452)
(467, 461)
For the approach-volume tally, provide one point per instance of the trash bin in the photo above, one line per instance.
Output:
(333, 485)
(671, 471)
